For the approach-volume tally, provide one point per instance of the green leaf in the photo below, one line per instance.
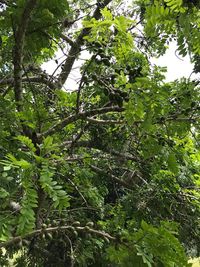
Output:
(3, 193)
(172, 163)
(7, 168)
(26, 141)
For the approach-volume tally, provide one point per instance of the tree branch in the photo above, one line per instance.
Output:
(92, 120)
(115, 178)
(67, 39)
(89, 144)
(81, 83)
(17, 239)
(82, 115)
(75, 48)
(18, 50)
(34, 79)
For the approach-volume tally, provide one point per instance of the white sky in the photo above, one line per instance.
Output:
(74, 77)
(177, 67)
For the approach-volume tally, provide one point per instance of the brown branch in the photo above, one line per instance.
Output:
(82, 82)
(53, 229)
(38, 79)
(90, 144)
(78, 191)
(75, 158)
(38, 209)
(76, 138)
(34, 79)
(67, 39)
(124, 155)
(8, 81)
(192, 119)
(92, 120)
(115, 178)
(6, 91)
(75, 48)
(19, 49)
(82, 115)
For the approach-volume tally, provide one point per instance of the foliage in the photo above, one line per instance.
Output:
(151, 244)
(107, 173)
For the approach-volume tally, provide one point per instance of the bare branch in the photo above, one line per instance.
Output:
(82, 115)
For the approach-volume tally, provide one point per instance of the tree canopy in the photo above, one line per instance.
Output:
(108, 172)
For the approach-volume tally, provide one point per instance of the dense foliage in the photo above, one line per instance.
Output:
(107, 173)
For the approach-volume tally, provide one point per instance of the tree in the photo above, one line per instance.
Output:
(106, 174)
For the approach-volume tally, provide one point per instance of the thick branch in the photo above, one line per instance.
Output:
(18, 50)
(53, 229)
(82, 115)
(76, 46)
(67, 39)
(34, 79)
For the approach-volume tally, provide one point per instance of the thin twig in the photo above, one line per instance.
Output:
(115, 178)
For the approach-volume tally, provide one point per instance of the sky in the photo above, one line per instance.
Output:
(177, 67)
